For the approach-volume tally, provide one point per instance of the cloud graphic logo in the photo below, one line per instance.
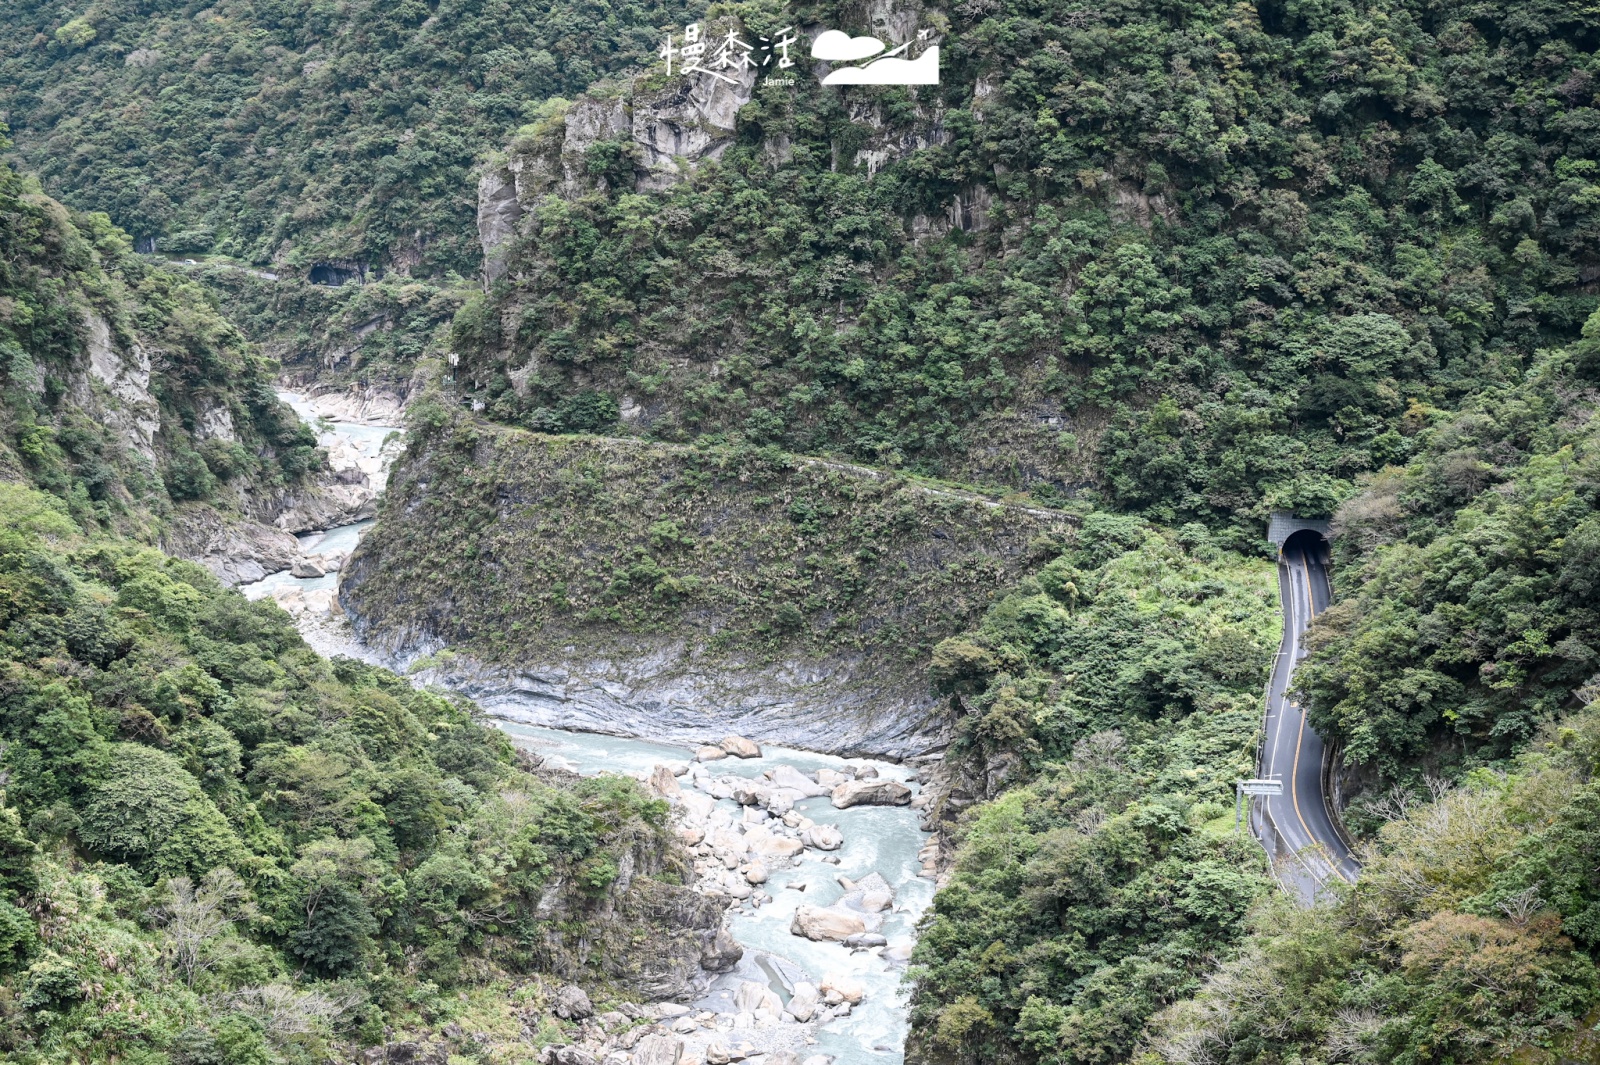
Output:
(890, 70)
(833, 46)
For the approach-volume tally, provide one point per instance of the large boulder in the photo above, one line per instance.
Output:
(752, 996)
(658, 1050)
(865, 940)
(572, 1004)
(308, 567)
(871, 793)
(775, 846)
(846, 988)
(876, 901)
(722, 952)
(826, 925)
(709, 754)
(787, 776)
(697, 807)
(664, 784)
(740, 747)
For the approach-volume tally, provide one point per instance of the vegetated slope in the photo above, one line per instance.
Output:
(1457, 671)
(1470, 937)
(731, 578)
(1105, 709)
(125, 392)
(214, 845)
(1470, 607)
(368, 334)
(296, 132)
(1205, 262)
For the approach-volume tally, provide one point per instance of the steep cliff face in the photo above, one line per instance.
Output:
(656, 136)
(679, 592)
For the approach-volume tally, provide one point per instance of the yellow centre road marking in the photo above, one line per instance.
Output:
(1294, 775)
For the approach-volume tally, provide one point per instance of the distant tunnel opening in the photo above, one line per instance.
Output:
(1308, 542)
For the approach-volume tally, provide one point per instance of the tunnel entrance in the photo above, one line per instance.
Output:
(1308, 542)
(335, 274)
(1308, 534)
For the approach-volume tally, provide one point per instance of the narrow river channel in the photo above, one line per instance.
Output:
(877, 839)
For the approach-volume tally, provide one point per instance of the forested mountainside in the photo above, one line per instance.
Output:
(125, 391)
(1116, 702)
(704, 583)
(1194, 264)
(216, 846)
(1151, 272)
(296, 133)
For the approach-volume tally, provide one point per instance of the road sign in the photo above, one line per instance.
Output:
(1251, 787)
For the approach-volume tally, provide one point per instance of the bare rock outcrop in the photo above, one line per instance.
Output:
(871, 793)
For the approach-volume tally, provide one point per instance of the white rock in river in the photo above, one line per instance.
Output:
(876, 901)
(826, 925)
(697, 807)
(756, 873)
(804, 1002)
(822, 837)
(787, 776)
(740, 747)
(663, 783)
(752, 996)
(848, 988)
(774, 846)
(709, 754)
(871, 793)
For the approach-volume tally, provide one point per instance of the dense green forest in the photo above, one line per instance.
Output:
(296, 132)
(217, 846)
(1106, 708)
(1235, 257)
(1457, 669)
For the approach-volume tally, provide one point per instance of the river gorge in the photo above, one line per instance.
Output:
(822, 859)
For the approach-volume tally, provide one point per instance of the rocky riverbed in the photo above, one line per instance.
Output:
(826, 872)
(821, 862)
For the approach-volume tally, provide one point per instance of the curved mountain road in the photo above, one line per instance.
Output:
(1295, 827)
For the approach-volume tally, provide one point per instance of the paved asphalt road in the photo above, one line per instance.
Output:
(1294, 826)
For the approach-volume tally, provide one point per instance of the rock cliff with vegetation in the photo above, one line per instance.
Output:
(1224, 262)
(681, 591)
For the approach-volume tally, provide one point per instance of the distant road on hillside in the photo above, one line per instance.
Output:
(1295, 826)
